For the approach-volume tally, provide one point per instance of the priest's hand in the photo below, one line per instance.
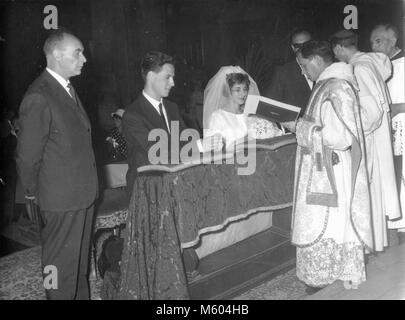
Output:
(290, 125)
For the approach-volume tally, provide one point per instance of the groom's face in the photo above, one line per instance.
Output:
(162, 81)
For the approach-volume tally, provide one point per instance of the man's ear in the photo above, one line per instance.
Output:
(57, 54)
(317, 60)
(150, 76)
(337, 48)
(393, 41)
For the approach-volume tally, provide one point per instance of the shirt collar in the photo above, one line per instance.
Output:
(59, 78)
(154, 102)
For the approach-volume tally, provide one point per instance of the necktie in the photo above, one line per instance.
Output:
(72, 92)
(162, 115)
(79, 110)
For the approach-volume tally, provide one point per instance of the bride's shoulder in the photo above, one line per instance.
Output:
(218, 113)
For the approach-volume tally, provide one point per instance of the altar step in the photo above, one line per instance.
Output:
(244, 265)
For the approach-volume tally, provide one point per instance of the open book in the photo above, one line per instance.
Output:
(270, 109)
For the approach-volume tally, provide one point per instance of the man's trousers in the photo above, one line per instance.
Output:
(66, 241)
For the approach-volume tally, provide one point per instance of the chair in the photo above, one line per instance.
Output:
(112, 207)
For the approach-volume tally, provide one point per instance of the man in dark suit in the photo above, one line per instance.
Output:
(289, 85)
(151, 111)
(57, 167)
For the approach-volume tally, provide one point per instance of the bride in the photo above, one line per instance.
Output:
(224, 100)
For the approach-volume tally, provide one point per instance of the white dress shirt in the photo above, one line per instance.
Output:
(155, 104)
(63, 82)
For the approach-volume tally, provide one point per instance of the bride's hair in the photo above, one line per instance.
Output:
(237, 78)
(217, 92)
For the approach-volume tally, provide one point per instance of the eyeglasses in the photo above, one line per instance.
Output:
(297, 45)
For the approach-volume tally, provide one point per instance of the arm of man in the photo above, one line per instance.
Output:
(334, 133)
(136, 134)
(34, 120)
(370, 108)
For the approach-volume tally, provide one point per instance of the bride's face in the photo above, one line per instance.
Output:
(239, 93)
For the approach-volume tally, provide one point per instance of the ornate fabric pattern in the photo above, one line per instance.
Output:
(112, 220)
(168, 209)
(309, 219)
(398, 126)
(259, 128)
(119, 145)
(327, 261)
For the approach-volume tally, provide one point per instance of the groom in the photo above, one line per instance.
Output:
(152, 111)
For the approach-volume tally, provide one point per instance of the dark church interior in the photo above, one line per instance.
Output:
(202, 36)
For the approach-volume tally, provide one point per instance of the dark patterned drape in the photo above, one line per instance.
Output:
(168, 209)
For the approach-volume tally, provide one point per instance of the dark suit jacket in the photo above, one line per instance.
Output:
(139, 119)
(54, 152)
(289, 86)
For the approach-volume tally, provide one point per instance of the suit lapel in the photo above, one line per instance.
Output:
(151, 114)
(65, 97)
(168, 111)
(81, 112)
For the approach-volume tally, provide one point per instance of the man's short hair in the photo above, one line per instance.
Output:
(388, 27)
(299, 31)
(314, 48)
(153, 61)
(345, 38)
(55, 37)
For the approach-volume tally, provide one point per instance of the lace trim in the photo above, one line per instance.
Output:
(398, 125)
(112, 220)
(262, 129)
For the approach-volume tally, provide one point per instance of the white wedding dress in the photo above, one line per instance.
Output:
(234, 127)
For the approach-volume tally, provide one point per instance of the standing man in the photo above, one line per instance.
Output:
(331, 212)
(371, 71)
(152, 111)
(57, 167)
(289, 84)
(384, 39)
